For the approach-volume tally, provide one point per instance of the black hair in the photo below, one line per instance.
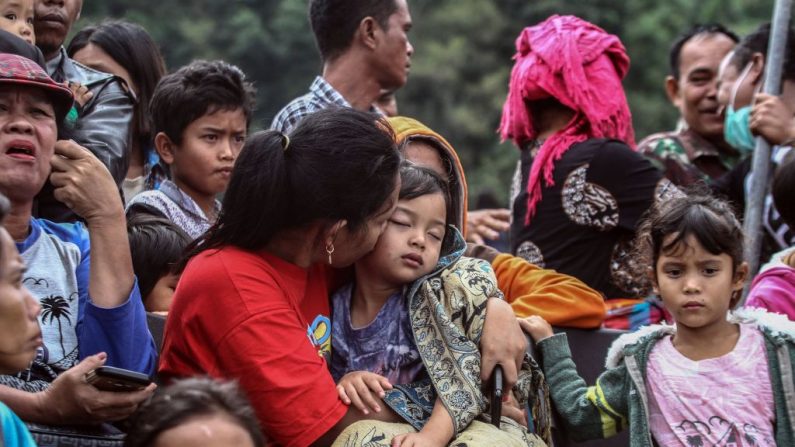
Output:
(189, 399)
(783, 185)
(709, 220)
(133, 48)
(417, 181)
(195, 90)
(757, 42)
(337, 164)
(156, 246)
(334, 22)
(675, 53)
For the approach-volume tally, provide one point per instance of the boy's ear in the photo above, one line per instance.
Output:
(165, 148)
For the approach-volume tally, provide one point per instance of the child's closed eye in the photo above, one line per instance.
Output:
(399, 223)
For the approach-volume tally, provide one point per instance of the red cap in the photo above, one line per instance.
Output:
(18, 70)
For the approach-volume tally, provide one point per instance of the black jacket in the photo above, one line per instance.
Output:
(102, 126)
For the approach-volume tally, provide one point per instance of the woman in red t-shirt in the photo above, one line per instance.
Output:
(252, 302)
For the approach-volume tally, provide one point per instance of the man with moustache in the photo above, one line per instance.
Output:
(696, 151)
(102, 124)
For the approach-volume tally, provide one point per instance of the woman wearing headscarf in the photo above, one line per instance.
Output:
(580, 187)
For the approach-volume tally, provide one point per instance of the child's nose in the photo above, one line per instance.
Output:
(418, 240)
(692, 284)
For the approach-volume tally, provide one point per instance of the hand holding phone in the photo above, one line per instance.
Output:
(108, 378)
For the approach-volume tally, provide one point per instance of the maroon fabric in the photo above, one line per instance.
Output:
(581, 66)
(18, 70)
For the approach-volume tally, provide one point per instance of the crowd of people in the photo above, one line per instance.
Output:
(324, 281)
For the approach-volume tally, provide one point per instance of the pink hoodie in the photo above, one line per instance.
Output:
(774, 290)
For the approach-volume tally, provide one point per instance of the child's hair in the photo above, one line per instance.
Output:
(195, 90)
(757, 42)
(417, 181)
(156, 245)
(709, 220)
(783, 186)
(133, 48)
(337, 164)
(188, 399)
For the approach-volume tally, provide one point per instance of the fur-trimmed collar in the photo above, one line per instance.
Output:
(776, 325)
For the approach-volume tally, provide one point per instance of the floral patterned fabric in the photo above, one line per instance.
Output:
(447, 309)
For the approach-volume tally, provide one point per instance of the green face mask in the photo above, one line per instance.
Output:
(737, 124)
(737, 129)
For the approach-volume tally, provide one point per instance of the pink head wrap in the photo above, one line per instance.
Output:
(579, 65)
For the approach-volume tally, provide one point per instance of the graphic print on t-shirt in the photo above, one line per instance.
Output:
(726, 433)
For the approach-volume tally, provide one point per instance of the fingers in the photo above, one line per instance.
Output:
(526, 326)
(487, 366)
(88, 364)
(513, 412)
(71, 150)
(354, 398)
(367, 396)
(376, 384)
(510, 374)
(343, 395)
(486, 232)
(475, 238)
(397, 441)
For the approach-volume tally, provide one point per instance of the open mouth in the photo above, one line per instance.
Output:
(21, 150)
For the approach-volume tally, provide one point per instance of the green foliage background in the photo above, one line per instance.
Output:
(462, 59)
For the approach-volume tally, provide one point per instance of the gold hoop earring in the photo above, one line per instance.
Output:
(329, 250)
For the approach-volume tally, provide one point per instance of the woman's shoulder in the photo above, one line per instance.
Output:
(228, 265)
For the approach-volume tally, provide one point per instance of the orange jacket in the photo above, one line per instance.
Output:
(560, 299)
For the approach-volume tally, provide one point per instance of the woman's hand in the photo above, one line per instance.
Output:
(536, 327)
(487, 224)
(357, 388)
(71, 400)
(502, 342)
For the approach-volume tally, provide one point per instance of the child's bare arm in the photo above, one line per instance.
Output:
(358, 387)
(438, 431)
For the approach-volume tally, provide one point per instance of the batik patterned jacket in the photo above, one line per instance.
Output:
(447, 310)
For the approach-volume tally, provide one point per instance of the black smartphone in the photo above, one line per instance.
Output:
(496, 395)
(108, 378)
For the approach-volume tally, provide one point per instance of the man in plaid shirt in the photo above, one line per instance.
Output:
(365, 49)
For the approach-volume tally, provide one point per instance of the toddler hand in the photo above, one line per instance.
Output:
(80, 92)
(537, 327)
(416, 440)
(358, 387)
